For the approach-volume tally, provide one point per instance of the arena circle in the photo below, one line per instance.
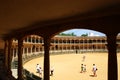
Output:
(68, 66)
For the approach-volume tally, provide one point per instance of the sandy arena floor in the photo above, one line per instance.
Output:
(68, 66)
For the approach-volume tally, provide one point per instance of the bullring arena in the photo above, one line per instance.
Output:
(68, 66)
(66, 54)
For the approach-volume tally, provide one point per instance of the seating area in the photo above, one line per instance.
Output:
(28, 58)
(30, 76)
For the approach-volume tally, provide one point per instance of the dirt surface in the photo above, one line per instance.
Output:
(68, 66)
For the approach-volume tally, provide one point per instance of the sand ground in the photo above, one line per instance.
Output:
(68, 66)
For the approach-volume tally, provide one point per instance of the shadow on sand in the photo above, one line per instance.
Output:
(93, 76)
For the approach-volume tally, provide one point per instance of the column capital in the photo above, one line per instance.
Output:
(111, 35)
(111, 42)
(47, 41)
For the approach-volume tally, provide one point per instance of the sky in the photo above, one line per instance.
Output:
(79, 32)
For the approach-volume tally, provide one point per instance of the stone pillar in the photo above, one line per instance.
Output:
(70, 45)
(96, 45)
(27, 52)
(83, 45)
(23, 52)
(46, 58)
(31, 39)
(9, 55)
(30, 51)
(13, 54)
(112, 58)
(6, 53)
(16, 52)
(4, 62)
(8, 46)
(20, 52)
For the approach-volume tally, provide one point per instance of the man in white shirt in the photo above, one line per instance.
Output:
(94, 70)
(38, 68)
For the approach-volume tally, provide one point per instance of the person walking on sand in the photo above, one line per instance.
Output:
(51, 71)
(40, 71)
(94, 69)
(82, 68)
(83, 58)
(37, 68)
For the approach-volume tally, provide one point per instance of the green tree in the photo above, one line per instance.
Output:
(84, 35)
(67, 34)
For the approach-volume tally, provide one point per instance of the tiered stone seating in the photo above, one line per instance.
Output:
(31, 76)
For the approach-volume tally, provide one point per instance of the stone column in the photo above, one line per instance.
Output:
(96, 45)
(13, 54)
(30, 51)
(16, 53)
(70, 45)
(112, 58)
(46, 58)
(23, 51)
(83, 45)
(10, 56)
(27, 52)
(6, 53)
(20, 52)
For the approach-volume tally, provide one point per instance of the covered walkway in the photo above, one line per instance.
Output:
(19, 19)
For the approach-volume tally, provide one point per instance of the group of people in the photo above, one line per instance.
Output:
(94, 69)
(83, 67)
(39, 70)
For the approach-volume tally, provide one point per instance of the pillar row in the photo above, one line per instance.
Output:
(8, 58)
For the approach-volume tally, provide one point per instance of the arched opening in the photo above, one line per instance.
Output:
(14, 57)
(78, 45)
(32, 47)
(68, 66)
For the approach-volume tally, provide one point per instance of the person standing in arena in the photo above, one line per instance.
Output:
(51, 71)
(94, 69)
(82, 68)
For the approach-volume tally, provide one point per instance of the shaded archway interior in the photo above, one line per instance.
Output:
(99, 20)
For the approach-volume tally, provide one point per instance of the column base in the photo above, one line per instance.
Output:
(9, 73)
(12, 78)
(20, 78)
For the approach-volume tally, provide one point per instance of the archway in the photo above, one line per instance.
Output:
(31, 47)
(76, 48)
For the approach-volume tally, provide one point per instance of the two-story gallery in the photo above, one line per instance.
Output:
(34, 45)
